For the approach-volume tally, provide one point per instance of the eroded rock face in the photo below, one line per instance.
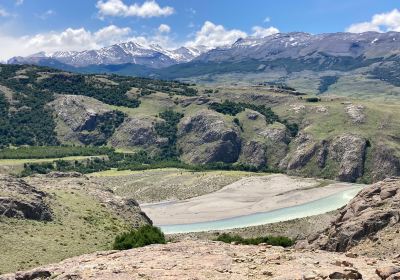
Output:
(373, 209)
(21, 200)
(137, 132)
(253, 153)
(345, 155)
(207, 137)
(349, 151)
(306, 149)
(79, 118)
(385, 163)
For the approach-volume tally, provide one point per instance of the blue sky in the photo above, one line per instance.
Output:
(27, 26)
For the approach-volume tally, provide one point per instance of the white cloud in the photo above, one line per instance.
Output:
(46, 14)
(19, 2)
(261, 32)
(164, 28)
(118, 8)
(212, 36)
(67, 40)
(3, 13)
(384, 22)
(267, 19)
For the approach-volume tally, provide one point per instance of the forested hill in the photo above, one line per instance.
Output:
(269, 127)
(25, 90)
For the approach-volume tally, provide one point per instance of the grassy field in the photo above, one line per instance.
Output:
(15, 166)
(82, 225)
(166, 184)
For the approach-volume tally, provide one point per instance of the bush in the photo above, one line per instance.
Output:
(143, 236)
(270, 240)
(313, 99)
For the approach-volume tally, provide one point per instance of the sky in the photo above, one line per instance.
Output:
(30, 26)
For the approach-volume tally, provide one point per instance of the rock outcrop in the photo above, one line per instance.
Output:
(373, 209)
(137, 132)
(210, 260)
(207, 137)
(80, 119)
(349, 152)
(343, 156)
(21, 200)
(385, 162)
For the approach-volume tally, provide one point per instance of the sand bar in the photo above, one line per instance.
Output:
(245, 197)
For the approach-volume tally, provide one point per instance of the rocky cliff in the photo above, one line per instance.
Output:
(206, 137)
(84, 120)
(373, 215)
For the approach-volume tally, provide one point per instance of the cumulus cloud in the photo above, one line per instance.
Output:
(212, 35)
(261, 32)
(384, 22)
(164, 28)
(118, 8)
(67, 40)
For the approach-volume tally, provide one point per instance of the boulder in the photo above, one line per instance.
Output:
(207, 137)
(387, 271)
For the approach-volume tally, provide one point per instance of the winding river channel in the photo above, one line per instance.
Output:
(319, 206)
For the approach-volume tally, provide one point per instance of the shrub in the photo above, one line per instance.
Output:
(313, 99)
(143, 236)
(270, 240)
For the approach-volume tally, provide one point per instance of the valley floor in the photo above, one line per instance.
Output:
(248, 196)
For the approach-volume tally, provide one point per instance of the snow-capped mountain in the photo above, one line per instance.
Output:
(297, 44)
(294, 50)
(153, 56)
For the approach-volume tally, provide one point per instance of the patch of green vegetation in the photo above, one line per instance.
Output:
(270, 240)
(81, 225)
(168, 129)
(233, 108)
(78, 85)
(143, 236)
(29, 122)
(326, 82)
(312, 99)
(41, 152)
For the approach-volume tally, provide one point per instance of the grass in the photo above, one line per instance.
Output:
(42, 160)
(82, 225)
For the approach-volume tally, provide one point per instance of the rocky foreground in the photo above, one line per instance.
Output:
(372, 216)
(215, 260)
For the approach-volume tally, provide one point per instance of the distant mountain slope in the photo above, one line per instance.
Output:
(131, 52)
(360, 65)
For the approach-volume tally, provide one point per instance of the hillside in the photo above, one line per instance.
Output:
(173, 124)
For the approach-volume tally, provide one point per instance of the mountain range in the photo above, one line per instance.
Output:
(311, 63)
